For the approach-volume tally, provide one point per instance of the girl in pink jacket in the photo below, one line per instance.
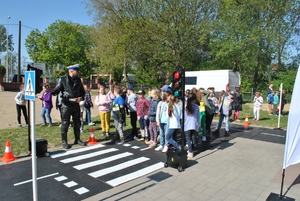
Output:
(104, 105)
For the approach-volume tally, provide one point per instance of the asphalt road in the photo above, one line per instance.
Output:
(80, 173)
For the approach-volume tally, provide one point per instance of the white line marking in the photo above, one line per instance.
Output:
(136, 174)
(81, 190)
(126, 145)
(70, 184)
(118, 167)
(135, 147)
(77, 151)
(102, 161)
(90, 155)
(145, 148)
(30, 180)
(272, 134)
(61, 178)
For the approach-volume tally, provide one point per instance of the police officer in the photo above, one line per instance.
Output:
(72, 93)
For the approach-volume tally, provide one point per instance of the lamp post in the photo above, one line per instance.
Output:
(7, 68)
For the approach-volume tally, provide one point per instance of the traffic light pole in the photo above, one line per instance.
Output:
(183, 107)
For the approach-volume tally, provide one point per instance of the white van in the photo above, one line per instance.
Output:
(219, 79)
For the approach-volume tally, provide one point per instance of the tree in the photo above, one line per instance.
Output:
(3, 40)
(153, 38)
(62, 43)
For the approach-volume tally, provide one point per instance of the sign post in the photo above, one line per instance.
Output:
(30, 95)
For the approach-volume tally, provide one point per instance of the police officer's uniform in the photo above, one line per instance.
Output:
(70, 88)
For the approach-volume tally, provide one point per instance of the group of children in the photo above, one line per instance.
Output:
(46, 97)
(162, 111)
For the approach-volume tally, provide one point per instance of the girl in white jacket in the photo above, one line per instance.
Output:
(258, 101)
(173, 123)
(21, 105)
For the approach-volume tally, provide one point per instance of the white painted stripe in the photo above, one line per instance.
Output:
(90, 155)
(30, 180)
(126, 145)
(145, 148)
(102, 161)
(272, 134)
(77, 151)
(81, 190)
(61, 178)
(136, 174)
(118, 167)
(70, 184)
(135, 147)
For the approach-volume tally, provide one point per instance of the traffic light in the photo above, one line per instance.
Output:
(177, 83)
(38, 79)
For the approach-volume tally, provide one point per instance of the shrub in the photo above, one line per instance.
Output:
(2, 70)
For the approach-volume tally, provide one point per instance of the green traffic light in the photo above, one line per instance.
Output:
(176, 93)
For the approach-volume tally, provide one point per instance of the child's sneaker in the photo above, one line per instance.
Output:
(141, 139)
(20, 125)
(159, 148)
(149, 142)
(152, 145)
(190, 154)
(254, 119)
(203, 138)
(165, 149)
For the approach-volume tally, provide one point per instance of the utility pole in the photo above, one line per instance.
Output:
(19, 54)
(7, 68)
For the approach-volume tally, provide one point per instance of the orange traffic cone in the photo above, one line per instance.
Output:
(246, 122)
(8, 156)
(92, 137)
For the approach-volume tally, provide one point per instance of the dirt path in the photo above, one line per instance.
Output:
(8, 114)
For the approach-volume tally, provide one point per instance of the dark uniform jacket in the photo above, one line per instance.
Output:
(69, 88)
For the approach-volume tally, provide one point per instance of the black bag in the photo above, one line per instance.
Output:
(42, 148)
(176, 159)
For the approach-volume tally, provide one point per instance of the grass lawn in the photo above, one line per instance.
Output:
(19, 136)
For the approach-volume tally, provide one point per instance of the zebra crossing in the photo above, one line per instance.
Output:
(112, 164)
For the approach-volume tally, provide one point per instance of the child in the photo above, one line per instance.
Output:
(202, 120)
(275, 102)
(21, 105)
(81, 105)
(238, 104)
(270, 102)
(88, 104)
(161, 118)
(131, 104)
(142, 108)
(46, 97)
(191, 123)
(225, 113)
(103, 102)
(258, 101)
(173, 123)
(152, 117)
(118, 114)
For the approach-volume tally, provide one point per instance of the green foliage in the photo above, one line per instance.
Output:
(3, 40)
(2, 70)
(153, 38)
(58, 73)
(61, 43)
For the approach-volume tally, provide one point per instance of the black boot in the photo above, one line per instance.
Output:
(80, 142)
(65, 144)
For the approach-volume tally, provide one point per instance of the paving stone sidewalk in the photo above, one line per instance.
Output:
(240, 169)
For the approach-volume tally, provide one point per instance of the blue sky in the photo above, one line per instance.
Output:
(40, 14)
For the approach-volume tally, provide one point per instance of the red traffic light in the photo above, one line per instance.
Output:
(176, 75)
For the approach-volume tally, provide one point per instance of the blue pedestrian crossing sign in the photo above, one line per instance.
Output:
(29, 85)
